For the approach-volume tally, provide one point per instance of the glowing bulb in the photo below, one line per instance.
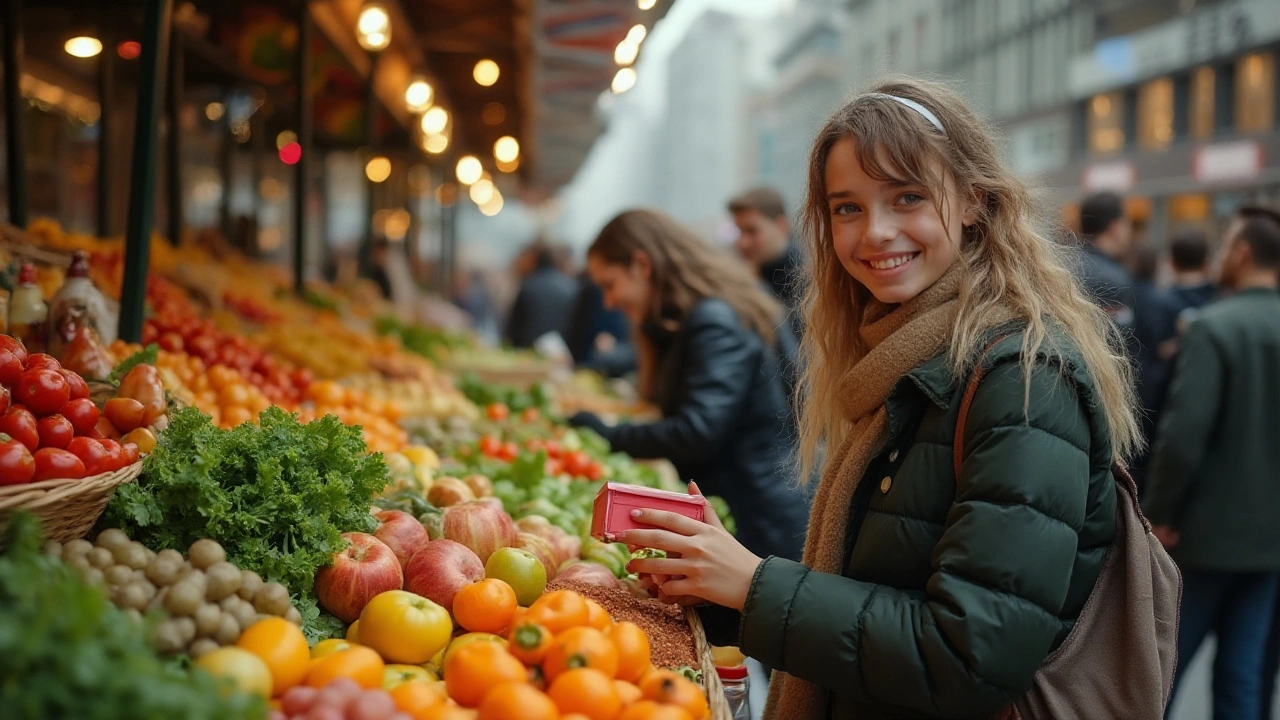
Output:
(626, 53)
(286, 137)
(494, 206)
(637, 34)
(373, 28)
(486, 72)
(378, 169)
(482, 191)
(646, 4)
(435, 120)
(624, 80)
(418, 95)
(436, 144)
(214, 111)
(83, 47)
(506, 149)
(469, 169)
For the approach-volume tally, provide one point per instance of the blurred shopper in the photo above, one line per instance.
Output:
(1192, 287)
(599, 337)
(1108, 236)
(764, 241)
(1214, 495)
(1154, 328)
(937, 579)
(706, 335)
(378, 257)
(544, 303)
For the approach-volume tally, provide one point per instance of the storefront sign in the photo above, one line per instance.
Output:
(1117, 176)
(1206, 34)
(1225, 162)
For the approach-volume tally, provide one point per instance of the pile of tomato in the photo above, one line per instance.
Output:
(52, 430)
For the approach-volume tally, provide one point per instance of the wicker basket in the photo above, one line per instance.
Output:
(67, 509)
(710, 679)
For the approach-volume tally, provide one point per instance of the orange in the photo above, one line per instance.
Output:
(559, 610)
(352, 632)
(448, 712)
(474, 669)
(282, 646)
(587, 691)
(486, 606)
(517, 701)
(632, 645)
(358, 663)
(417, 696)
(669, 688)
(628, 693)
(574, 716)
(597, 616)
(529, 643)
(650, 710)
(581, 647)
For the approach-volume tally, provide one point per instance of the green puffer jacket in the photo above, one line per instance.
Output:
(953, 593)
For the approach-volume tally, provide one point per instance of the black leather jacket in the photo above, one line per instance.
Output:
(726, 424)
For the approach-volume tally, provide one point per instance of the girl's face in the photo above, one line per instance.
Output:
(626, 288)
(889, 235)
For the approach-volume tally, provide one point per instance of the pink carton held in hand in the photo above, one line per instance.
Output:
(615, 501)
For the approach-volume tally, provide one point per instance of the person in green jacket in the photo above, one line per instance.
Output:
(1214, 495)
(923, 594)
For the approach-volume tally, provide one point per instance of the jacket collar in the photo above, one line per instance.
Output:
(936, 379)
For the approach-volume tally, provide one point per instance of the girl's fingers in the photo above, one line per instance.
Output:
(711, 517)
(667, 520)
(659, 566)
(656, 539)
(682, 587)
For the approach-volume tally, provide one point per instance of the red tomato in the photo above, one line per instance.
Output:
(553, 468)
(55, 432)
(171, 342)
(594, 471)
(202, 346)
(125, 414)
(43, 390)
(16, 464)
(55, 464)
(10, 368)
(509, 451)
(106, 430)
(41, 360)
(490, 445)
(530, 415)
(554, 451)
(20, 425)
(4, 400)
(15, 346)
(79, 388)
(131, 453)
(91, 453)
(576, 462)
(115, 455)
(149, 333)
(83, 415)
(498, 411)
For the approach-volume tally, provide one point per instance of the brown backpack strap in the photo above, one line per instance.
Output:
(979, 371)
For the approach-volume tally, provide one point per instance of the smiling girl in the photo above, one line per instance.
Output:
(923, 592)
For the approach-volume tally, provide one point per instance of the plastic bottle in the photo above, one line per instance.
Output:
(737, 690)
(28, 313)
(78, 304)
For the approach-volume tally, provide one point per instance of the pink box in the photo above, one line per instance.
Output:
(615, 501)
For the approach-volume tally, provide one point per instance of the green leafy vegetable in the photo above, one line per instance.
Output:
(66, 652)
(146, 356)
(277, 496)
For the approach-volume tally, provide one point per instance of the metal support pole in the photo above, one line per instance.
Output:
(15, 119)
(226, 158)
(106, 126)
(371, 142)
(301, 177)
(157, 16)
(173, 104)
(257, 148)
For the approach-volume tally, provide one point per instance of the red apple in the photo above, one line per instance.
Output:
(541, 549)
(447, 491)
(536, 524)
(438, 571)
(587, 572)
(480, 526)
(365, 569)
(401, 532)
(567, 547)
(494, 502)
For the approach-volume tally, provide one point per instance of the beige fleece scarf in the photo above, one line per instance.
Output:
(901, 337)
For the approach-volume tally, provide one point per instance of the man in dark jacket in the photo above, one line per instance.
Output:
(544, 303)
(764, 241)
(1189, 255)
(1108, 237)
(1214, 494)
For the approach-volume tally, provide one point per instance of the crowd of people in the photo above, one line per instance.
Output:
(923, 410)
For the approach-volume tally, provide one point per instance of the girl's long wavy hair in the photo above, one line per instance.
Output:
(685, 271)
(1008, 261)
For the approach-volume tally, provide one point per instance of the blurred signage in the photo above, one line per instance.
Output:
(1225, 162)
(1118, 176)
(1211, 32)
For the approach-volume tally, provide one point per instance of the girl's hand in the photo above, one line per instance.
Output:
(704, 561)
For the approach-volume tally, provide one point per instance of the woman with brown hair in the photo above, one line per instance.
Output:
(712, 349)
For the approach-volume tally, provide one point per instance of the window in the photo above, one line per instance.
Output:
(1106, 123)
(1155, 114)
(1200, 116)
(1256, 93)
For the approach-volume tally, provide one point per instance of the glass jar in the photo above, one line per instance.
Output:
(736, 690)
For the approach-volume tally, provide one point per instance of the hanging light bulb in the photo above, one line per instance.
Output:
(373, 28)
(486, 72)
(482, 191)
(435, 120)
(469, 169)
(83, 47)
(624, 80)
(418, 95)
(506, 149)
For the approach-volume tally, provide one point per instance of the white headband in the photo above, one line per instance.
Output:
(922, 110)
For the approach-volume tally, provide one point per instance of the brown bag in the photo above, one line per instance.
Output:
(1119, 659)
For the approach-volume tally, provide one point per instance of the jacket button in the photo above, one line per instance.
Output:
(885, 484)
(893, 456)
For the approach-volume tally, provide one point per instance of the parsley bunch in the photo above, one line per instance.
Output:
(277, 496)
(66, 652)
